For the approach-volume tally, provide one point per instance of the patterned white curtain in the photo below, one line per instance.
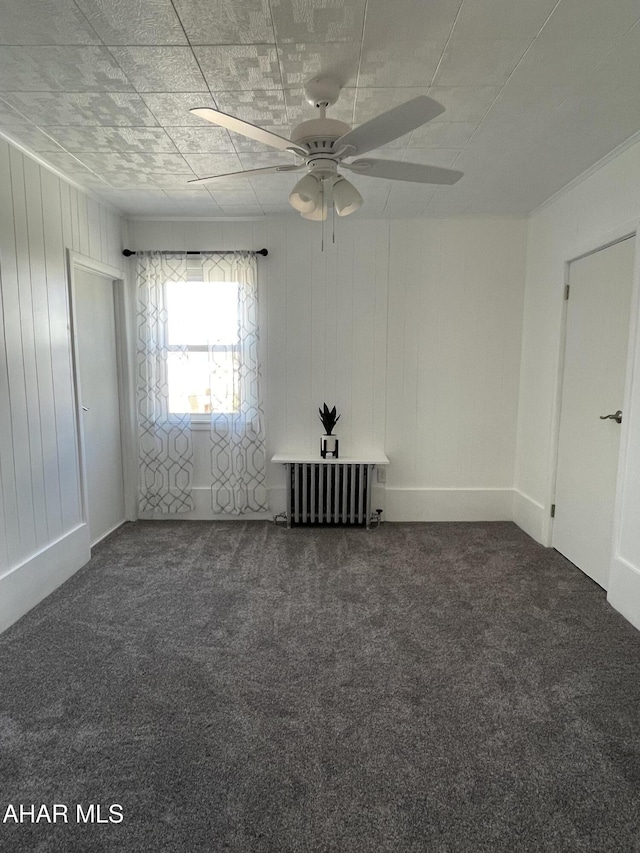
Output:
(164, 438)
(238, 452)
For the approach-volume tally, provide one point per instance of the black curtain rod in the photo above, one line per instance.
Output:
(127, 252)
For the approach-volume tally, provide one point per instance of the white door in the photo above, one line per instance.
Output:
(97, 368)
(598, 315)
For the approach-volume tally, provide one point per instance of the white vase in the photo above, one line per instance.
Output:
(329, 447)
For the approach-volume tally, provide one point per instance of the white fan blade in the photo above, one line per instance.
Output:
(247, 173)
(246, 129)
(394, 170)
(391, 125)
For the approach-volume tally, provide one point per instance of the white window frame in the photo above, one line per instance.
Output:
(202, 420)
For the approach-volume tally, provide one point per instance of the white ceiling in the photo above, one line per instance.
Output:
(536, 91)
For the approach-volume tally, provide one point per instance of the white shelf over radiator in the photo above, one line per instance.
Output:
(371, 459)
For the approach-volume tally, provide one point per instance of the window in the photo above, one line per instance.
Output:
(204, 348)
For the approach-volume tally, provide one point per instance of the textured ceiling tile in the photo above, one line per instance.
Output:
(327, 20)
(170, 181)
(192, 193)
(502, 19)
(228, 68)
(300, 61)
(9, 116)
(44, 22)
(128, 199)
(464, 103)
(552, 63)
(60, 108)
(275, 188)
(148, 164)
(196, 204)
(172, 109)
(230, 186)
(33, 138)
(70, 69)
(92, 139)
(242, 195)
(128, 179)
(242, 212)
(298, 109)
(443, 157)
(371, 102)
(134, 21)
(160, 69)
(486, 62)
(590, 18)
(200, 140)
(226, 21)
(443, 134)
(410, 63)
(264, 108)
(66, 162)
(410, 194)
(87, 179)
(449, 201)
(213, 164)
(391, 21)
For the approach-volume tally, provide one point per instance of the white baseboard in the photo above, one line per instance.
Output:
(530, 516)
(448, 504)
(27, 584)
(624, 590)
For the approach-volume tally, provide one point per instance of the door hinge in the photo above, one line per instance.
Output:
(553, 510)
(566, 291)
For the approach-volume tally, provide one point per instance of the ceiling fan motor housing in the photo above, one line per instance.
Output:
(318, 135)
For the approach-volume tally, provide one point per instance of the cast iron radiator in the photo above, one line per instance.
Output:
(328, 493)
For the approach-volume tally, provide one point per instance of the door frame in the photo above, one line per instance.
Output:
(75, 262)
(625, 232)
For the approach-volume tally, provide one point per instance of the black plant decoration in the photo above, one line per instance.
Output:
(329, 418)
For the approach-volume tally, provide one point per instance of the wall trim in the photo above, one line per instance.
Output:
(530, 516)
(448, 504)
(31, 581)
(624, 590)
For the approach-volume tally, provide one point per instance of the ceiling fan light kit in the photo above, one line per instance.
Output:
(324, 144)
(304, 197)
(346, 198)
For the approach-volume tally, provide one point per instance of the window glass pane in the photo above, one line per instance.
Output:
(202, 312)
(200, 382)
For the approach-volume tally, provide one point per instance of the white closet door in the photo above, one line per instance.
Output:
(97, 367)
(598, 316)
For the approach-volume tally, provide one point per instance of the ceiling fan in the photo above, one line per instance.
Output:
(324, 143)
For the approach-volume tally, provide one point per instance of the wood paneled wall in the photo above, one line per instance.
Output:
(40, 217)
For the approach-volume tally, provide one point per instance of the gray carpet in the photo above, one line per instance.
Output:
(241, 687)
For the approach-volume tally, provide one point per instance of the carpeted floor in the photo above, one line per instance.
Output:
(240, 687)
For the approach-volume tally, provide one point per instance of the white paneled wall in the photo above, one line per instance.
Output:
(411, 328)
(40, 217)
(455, 308)
(604, 206)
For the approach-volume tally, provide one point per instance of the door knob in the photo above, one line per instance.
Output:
(617, 417)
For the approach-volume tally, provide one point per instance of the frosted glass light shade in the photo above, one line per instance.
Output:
(318, 215)
(306, 194)
(346, 198)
